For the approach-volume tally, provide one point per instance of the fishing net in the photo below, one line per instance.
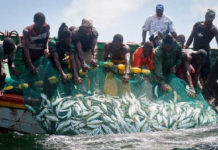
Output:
(104, 104)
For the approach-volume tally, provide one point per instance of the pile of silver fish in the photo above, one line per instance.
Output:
(103, 114)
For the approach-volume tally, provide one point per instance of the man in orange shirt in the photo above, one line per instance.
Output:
(143, 56)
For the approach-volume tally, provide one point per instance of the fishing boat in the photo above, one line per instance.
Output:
(13, 113)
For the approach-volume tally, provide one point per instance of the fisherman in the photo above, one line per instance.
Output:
(118, 53)
(143, 56)
(85, 39)
(35, 41)
(210, 89)
(203, 32)
(167, 57)
(190, 69)
(158, 22)
(7, 51)
(181, 40)
(59, 49)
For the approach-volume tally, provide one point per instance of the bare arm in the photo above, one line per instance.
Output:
(10, 64)
(46, 46)
(187, 70)
(26, 44)
(127, 63)
(174, 34)
(106, 53)
(198, 77)
(94, 52)
(12, 67)
(94, 48)
(146, 27)
(144, 36)
(46, 51)
(74, 66)
(80, 54)
(57, 63)
(190, 39)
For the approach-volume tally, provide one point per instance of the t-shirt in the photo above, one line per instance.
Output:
(37, 41)
(61, 49)
(154, 24)
(203, 36)
(139, 60)
(5, 56)
(86, 41)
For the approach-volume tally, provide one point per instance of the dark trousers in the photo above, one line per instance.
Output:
(205, 70)
(211, 86)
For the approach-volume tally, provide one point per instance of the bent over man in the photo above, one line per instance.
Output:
(190, 69)
(118, 53)
(35, 41)
(85, 39)
(167, 58)
(60, 48)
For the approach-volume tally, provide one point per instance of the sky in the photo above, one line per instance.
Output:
(109, 16)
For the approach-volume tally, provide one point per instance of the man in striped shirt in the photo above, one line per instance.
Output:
(35, 41)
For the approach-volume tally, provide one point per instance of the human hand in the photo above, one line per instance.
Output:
(33, 70)
(85, 67)
(46, 53)
(78, 80)
(94, 62)
(164, 87)
(64, 77)
(199, 85)
(191, 92)
(126, 78)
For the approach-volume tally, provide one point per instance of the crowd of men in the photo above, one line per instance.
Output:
(164, 53)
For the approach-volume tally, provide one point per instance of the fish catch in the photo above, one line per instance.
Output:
(103, 114)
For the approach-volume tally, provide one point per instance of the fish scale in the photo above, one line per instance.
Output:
(100, 114)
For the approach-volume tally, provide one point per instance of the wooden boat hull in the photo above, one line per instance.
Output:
(14, 116)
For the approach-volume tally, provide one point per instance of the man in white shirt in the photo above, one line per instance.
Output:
(158, 22)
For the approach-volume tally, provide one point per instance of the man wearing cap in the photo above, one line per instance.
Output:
(203, 32)
(157, 22)
(167, 57)
(85, 39)
(143, 56)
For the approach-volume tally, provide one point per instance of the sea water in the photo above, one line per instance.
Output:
(204, 138)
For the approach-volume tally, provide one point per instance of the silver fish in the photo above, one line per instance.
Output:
(30, 108)
(51, 117)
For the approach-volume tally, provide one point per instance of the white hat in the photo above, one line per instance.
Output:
(87, 22)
